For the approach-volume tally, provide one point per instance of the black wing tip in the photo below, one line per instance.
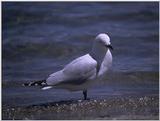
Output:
(35, 83)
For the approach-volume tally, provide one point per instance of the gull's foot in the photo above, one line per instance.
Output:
(85, 94)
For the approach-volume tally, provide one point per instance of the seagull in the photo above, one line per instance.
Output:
(83, 72)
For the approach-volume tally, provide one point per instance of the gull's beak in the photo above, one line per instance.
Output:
(110, 47)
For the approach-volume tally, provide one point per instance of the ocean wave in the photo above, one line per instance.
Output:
(49, 50)
(76, 16)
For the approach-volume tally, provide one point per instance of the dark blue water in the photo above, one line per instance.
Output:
(40, 38)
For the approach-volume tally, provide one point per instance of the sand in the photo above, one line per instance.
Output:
(128, 107)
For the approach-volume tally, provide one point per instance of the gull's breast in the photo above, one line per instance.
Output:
(106, 63)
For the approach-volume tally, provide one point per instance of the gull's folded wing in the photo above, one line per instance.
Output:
(76, 72)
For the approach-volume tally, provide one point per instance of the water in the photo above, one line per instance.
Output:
(40, 38)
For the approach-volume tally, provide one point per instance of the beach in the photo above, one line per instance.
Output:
(142, 108)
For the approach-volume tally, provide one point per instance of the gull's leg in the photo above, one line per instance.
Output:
(85, 94)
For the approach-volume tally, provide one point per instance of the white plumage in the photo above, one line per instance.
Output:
(83, 72)
(75, 74)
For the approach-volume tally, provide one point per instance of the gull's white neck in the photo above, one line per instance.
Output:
(106, 63)
(98, 52)
(103, 57)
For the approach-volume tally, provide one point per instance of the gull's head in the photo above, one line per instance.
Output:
(104, 40)
(100, 47)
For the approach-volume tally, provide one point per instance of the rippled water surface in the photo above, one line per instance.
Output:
(40, 38)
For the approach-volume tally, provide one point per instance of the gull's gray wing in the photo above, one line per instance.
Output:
(76, 72)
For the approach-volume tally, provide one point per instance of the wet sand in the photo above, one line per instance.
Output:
(118, 107)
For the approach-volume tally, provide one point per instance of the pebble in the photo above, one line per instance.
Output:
(79, 101)
(100, 103)
(146, 98)
(141, 99)
(95, 101)
(12, 109)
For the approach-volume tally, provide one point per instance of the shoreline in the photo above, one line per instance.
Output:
(126, 107)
